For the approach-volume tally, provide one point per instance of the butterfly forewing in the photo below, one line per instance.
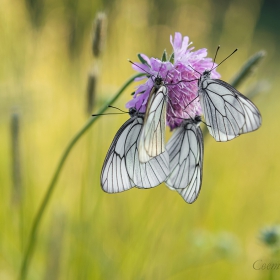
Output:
(185, 149)
(114, 176)
(152, 137)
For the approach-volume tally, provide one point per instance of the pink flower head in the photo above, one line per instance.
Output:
(182, 94)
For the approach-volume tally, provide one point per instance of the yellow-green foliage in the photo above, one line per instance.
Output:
(45, 58)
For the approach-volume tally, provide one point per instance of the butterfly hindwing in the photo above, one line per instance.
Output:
(148, 174)
(253, 117)
(185, 149)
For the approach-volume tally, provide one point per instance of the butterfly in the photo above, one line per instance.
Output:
(122, 169)
(227, 112)
(152, 138)
(185, 148)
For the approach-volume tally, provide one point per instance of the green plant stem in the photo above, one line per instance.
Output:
(38, 218)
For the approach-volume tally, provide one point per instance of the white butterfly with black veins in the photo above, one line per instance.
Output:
(152, 139)
(227, 112)
(185, 148)
(122, 169)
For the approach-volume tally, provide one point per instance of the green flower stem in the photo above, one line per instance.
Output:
(38, 218)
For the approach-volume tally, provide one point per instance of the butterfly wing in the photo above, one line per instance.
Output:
(222, 111)
(152, 136)
(227, 112)
(114, 176)
(253, 117)
(191, 192)
(185, 149)
(148, 174)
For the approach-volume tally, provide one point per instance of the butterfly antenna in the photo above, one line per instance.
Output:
(189, 105)
(140, 67)
(191, 119)
(192, 102)
(95, 115)
(225, 59)
(122, 112)
(215, 57)
(183, 81)
(188, 113)
(190, 116)
(194, 70)
(184, 110)
(205, 123)
(117, 109)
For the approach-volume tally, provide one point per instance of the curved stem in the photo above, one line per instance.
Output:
(36, 223)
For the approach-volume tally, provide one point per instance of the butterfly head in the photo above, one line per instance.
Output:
(206, 74)
(197, 119)
(158, 82)
(132, 112)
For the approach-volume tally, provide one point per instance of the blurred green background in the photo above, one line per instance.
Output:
(45, 60)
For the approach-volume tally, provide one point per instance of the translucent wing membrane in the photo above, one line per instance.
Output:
(227, 112)
(152, 138)
(148, 174)
(114, 176)
(252, 115)
(185, 149)
(122, 169)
